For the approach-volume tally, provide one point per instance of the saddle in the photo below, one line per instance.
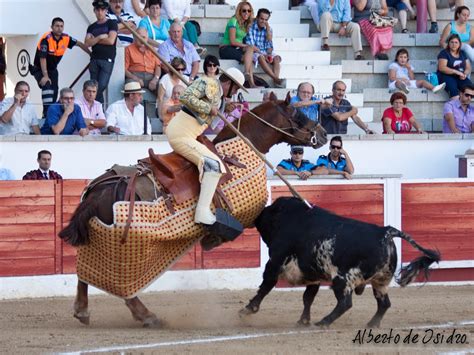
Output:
(180, 178)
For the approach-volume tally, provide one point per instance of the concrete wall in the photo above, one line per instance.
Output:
(412, 156)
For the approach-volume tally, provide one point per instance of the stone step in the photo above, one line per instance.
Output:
(415, 95)
(289, 43)
(284, 28)
(257, 4)
(381, 66)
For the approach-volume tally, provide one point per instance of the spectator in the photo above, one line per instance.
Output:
(453, 67)
(179, 12)
(156, 26)
(136, 8)
(169, 81)
(296, 165)
(459, 113)
(116, 12)
(313, 9)
(336, 111)
(44, 172)
(260, 37)
(126, 116)
(337, 162)
(337, 18)
(141, 64)
(461, 27)
(65, 118)
(306, 102)
(5, 174)
(232, 45)
(433, 5)
(17, 115)
(171, 106)
(176, 46)
(402, 7)
(102, 37)
(398, 118)
(49, 52)
(401, 75)
(380, 38)
(91, 110)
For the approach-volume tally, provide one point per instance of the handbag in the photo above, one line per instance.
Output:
(382, 21)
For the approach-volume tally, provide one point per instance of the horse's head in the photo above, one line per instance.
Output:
(296, 126)
(277, 121)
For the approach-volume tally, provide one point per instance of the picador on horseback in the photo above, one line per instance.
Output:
(202, 100)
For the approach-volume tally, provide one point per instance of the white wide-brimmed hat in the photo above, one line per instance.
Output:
(236, 76)
(133, 87)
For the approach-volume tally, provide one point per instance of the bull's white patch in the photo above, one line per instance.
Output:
(353, 278)
(323, 254)
(291, 272)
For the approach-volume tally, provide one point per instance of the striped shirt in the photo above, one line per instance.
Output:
(258, 37)
(125, 39)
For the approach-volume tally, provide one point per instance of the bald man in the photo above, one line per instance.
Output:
(141, 64)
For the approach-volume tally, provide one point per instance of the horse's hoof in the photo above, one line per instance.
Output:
(153, 322)
(83, 317)
(247, 311)
(303, 322)
(373, 325)
(322, 324)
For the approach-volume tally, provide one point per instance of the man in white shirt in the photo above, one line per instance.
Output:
(17, 116)
(127, 116)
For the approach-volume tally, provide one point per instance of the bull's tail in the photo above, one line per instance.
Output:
(411, 271)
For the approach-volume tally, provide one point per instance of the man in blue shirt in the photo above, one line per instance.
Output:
(296, 165)
(65, 117)
(337, 162)
(335, 16)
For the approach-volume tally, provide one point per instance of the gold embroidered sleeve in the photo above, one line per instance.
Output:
(193, 96)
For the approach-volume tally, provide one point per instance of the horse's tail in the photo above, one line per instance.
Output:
(77, 231)
(410, 272)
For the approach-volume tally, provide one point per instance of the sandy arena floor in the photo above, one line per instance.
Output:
(208, 323)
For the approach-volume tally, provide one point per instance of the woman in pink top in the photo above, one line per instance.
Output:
(398, 118)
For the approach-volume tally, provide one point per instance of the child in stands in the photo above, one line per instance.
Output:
(401, 75)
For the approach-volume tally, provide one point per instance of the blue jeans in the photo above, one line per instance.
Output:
(101, 70)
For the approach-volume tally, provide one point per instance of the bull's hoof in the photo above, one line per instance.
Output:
(359, 290)
(373, 324)
(83, 317)
(303, 322)
(322, 324)
(248, 310)
(153, 322)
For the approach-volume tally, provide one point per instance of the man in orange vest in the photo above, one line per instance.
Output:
(49, 52)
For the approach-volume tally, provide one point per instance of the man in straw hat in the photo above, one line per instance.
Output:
(202, 101)
(126, 116)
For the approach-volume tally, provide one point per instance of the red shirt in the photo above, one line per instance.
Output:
(398, 124)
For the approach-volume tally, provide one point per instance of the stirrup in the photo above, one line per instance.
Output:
(226, 226)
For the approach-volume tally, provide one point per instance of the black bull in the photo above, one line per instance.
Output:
(307, 246)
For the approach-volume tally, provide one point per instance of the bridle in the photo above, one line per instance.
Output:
(293, 127)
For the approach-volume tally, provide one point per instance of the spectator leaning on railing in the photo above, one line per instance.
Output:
(50, 50)
(17, 115)
(296, 165)
(459, 113)
(337, 162)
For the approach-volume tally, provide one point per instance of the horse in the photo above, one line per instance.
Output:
(270, 123)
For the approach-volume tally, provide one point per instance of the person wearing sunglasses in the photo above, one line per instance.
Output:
(459, 113)
(296, 165)
(337, 162)
(232, 45)
(169, 81)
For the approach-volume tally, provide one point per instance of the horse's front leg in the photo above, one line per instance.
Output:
(142, 314)
(81, 302)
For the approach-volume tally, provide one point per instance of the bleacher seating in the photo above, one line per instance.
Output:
(296, 40)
